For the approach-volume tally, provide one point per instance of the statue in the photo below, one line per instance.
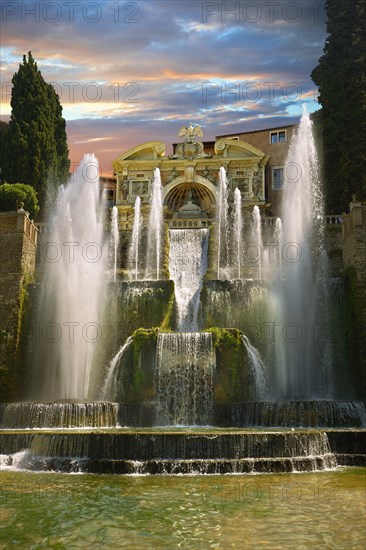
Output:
(190, 132)
(190, 197)
(191, 148)
(257, 180)
(124, 189)
(354, 202)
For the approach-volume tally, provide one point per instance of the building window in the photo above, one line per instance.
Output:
(278, 137)
(278, 178)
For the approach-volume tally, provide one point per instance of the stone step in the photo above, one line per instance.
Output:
(166, 445)
(172, 467)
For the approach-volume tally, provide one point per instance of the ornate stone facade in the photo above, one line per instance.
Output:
(191, 170)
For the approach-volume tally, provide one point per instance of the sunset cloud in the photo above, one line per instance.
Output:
(128, 72)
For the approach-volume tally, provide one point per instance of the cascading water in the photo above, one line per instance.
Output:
(59, 415)
(133, 253)
(114, 240)
(257, 367)
(75, 262)
(257, 229)
(238, 228)
(186, 360)
(184, 378)
(299, 297)
(222, 226)
(110, 387)
(154, 237)
(187, 267)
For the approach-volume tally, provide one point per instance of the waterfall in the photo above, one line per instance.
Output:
(257, 227)
(238, 228)
(133, 253)
(114, 240)
(222, 226)
(75, 258)
(169, 452)
(59, 415)
(257, 367)
(187, 267)
(184, 378)
(302, 298)
(154, 236)
(300, 414)
(110, 387)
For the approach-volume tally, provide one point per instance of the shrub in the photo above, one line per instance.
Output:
(12, 194)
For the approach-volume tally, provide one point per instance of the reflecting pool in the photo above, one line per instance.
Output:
(304, 510)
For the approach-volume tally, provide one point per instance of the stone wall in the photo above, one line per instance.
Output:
(354, 261)
(18, 242)
(277, 153)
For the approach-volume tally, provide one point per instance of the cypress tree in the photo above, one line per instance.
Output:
(36, 142)
(341, 77)
(4, 127)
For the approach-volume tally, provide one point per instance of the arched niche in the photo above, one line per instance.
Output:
(176, 193)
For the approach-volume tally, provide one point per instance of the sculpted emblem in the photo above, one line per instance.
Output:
(190, 148)
(190, 131)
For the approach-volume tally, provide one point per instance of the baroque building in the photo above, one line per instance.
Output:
(254, 163)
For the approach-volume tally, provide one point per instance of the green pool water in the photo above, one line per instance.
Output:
(307, 510)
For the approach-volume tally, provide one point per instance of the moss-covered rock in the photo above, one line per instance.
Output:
(233, 378)
(135, 377)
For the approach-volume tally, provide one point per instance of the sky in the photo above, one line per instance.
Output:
(128, 72)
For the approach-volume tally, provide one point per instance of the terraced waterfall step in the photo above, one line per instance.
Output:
(252, 414)
(157, 452)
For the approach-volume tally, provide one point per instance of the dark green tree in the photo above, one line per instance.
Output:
(4, 127)
(36, 144)
(341, 77)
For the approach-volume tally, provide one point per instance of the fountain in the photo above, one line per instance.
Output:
(302, 299)
(184, 378)
(133, 254)
(257, 234)
(278, 237)
(75, 256)
(187, 267)
(188, 366)
(222, 226)
(154, 235)
(238, 228)
(114, 240)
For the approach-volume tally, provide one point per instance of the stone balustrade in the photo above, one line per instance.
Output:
(334, 219)
(19, 222)
(196, 223)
